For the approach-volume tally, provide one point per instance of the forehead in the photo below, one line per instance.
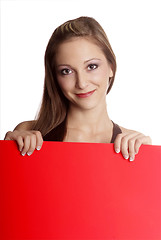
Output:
(79, 47)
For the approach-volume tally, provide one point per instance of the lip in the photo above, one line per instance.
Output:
(84, 95)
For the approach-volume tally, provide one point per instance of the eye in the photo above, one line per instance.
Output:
(66, 71)
(92, 66)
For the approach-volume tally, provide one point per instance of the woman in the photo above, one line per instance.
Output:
(80, 68)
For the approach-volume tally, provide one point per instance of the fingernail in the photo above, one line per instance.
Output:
(38, 148)
(126, 156)
(117, 150)
(131, 159)
(23, 154)
(29, 153)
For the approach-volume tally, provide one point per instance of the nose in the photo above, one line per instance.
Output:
(81, 80)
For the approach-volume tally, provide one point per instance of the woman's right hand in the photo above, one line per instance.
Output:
(27, 141)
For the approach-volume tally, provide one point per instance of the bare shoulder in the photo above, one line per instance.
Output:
(125, 130)
(26, 125)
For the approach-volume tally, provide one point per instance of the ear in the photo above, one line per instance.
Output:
(111, 74)
(111, 70)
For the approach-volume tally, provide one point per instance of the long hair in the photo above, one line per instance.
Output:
(54, 106)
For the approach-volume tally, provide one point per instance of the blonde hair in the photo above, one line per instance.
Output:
(54, 106)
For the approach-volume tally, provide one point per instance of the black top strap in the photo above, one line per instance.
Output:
(116, 131)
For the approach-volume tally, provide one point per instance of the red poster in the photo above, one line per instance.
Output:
(79, 191)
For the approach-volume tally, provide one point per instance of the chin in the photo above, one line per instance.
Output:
(86, 105)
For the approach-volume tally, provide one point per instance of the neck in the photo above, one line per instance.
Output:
(92, 121)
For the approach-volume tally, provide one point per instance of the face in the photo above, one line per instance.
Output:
(83, 73)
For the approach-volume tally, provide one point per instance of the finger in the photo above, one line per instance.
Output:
(20, 143)
(117, 143)
(12, 136)
(147, 140)
(124, 147)
(142, 140)
(131, 149)
(8, 136)
(32, 144)
(132, 146)
(138, 143)
(39, 140)
(26, 145)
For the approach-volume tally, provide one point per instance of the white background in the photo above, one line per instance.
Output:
(134, 30)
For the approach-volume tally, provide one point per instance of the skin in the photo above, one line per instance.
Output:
(81, 68)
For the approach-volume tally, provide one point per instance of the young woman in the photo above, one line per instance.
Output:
(80, 68)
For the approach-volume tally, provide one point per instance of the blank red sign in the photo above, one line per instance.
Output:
(79, 191)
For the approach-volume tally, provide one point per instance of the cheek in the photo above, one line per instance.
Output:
(102, 77)
(65, 83)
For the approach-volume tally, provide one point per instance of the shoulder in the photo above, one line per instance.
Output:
(125, 130)
(26, 125)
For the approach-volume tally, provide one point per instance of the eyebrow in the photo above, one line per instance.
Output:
(59, 65)
(92, 59)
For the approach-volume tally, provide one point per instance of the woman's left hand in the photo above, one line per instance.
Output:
(129, 142)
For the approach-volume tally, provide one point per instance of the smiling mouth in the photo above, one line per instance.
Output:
(84, 95)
